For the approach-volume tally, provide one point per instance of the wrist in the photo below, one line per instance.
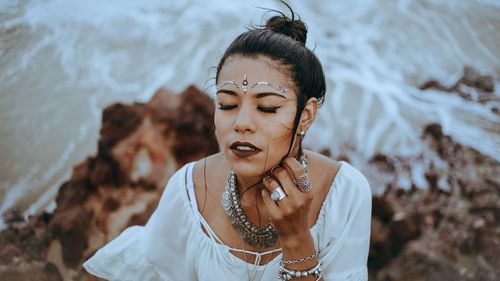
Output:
(299, 257)
(298, 241)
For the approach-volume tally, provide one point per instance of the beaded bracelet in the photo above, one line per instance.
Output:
(314, 255)
(286, 274)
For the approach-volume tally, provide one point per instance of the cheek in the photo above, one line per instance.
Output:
(277, 145)
(218, 125)
(223, 126)
(278, 134)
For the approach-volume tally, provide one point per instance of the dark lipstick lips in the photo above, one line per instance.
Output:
(238, 143)
(244, 153)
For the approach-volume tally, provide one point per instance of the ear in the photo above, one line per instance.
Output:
(308, 114)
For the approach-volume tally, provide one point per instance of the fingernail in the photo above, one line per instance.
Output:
(273, 168)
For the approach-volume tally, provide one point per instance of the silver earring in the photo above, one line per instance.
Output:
(302, 156)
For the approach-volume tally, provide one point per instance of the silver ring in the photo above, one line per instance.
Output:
(304, 183)
(278, 194)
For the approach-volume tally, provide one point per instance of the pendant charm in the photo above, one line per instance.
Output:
(244, 84)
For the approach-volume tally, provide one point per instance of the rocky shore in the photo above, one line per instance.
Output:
(140, 146)
(435, 233)
(450, 230)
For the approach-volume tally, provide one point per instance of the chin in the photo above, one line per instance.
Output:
(247, 167)
(247, 173)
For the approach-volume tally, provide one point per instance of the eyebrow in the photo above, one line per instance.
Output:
(258, 95)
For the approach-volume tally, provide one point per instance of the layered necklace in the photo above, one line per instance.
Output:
(256, 236)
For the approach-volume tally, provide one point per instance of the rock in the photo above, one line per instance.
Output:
(472, 86)
(473, 79)
(418, 263)
(383, 163)
(433, 84)
(70, 228)
(436, 234)
(35, 271)
(139, 148)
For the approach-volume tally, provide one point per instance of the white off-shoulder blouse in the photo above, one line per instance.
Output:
(172, 246)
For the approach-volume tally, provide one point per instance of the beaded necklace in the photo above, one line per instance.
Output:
(255, 236)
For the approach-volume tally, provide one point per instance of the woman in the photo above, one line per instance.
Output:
(262, 208)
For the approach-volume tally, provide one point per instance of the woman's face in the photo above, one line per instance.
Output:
(255, 111)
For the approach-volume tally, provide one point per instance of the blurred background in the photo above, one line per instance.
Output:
(393, 68)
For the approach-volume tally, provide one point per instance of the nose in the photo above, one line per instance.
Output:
(244, 122)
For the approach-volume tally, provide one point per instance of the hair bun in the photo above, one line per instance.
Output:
(294, 28)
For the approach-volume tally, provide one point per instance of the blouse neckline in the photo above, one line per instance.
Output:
(202, 223)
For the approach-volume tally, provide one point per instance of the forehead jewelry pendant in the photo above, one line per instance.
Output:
(244, 84)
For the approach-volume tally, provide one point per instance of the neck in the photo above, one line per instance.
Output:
(250, 186)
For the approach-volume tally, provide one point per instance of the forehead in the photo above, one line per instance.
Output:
(256, 69)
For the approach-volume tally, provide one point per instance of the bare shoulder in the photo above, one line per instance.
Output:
(320, 164)
(322, 171)
(206, 165)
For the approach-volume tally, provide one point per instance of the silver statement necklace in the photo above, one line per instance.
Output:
(255, 236)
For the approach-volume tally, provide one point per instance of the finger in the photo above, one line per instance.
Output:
(294, 167)
(301, 178)
(270, 183)
(286, 180)
(271, 206)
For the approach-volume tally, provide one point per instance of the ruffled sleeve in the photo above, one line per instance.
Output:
(123, 259)
(345, 238)
(170, 229)
(154, 252)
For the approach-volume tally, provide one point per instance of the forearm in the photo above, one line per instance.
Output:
(297, 248)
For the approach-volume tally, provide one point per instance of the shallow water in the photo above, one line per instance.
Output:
(62, 62)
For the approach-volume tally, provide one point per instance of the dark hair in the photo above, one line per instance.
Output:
(283, 40)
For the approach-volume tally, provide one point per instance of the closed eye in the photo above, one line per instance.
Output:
(226, 107)
(264, 109)
(268, 109)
